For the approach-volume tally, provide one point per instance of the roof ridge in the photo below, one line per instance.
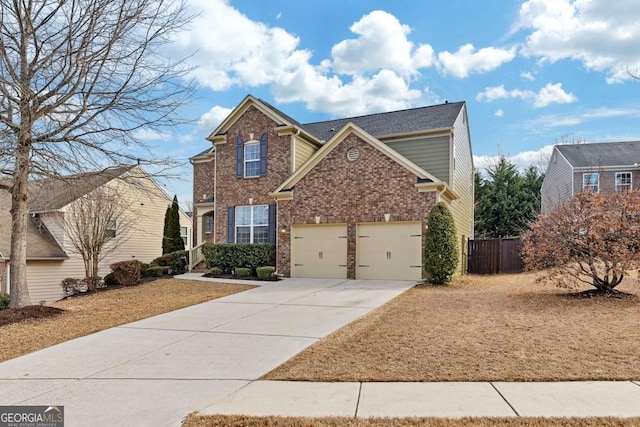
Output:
(385, 112)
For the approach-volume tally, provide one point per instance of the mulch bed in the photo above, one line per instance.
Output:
(233, 277)
(14, 315)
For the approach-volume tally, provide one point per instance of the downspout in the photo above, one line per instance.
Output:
(215, 193)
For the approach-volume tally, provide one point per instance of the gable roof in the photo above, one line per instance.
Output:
(392, 123)
(54, 193)
(603, 154)
(339, 136)
(249, 100)
(40, 242)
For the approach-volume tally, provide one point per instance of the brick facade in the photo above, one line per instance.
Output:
(232, 191)
(341, 191)
(203, 187)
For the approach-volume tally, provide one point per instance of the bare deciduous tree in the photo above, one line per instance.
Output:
(78, 79)
(96, 225)
(593, 238)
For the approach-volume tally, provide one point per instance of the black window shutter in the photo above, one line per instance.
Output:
(263, 154)
(239, 157)
(272, 223)
(231, 224)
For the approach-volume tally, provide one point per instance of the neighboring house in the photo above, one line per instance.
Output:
(346, 198)
(604, 167)
(50, 254)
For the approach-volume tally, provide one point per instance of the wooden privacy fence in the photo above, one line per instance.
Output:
(494, 256)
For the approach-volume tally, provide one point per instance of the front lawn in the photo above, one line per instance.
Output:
(480, 328)
(87, 314)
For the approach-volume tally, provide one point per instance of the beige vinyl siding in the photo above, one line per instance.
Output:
(558, 182)
(431, 154)
(462, 209)
(303, 150)
(147, 207)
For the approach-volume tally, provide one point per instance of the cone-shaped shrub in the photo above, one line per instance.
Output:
(441, 245)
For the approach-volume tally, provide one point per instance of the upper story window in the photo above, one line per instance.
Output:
(251, 159)
(252, 224)
(590, 182)
(623, 181)
(111, 228)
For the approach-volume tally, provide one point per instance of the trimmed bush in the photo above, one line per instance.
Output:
(441, 245)
(178, 262)
(162, 260)
(227, 256)
(72, 286)
(127, 273)
(110, 280)
(4, 301)
(215, 270)
(155, 271)
(265, 273)
(243, 271)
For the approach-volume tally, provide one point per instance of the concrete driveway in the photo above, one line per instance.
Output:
(155, 371)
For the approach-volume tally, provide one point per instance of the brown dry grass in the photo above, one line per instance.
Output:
(87, 314)
(493, 328)
(194, 420)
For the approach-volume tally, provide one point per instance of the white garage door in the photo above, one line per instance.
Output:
(319, 251)
(389, 250)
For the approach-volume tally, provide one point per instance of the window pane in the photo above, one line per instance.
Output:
(261, 215)
(243, 234)
(252, 168)
(261, 234)
(252, 152)
(208, 224)
(243, 215)
(183, 231)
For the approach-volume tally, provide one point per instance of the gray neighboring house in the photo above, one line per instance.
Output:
(605, 167)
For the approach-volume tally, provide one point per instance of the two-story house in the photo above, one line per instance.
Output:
(346, 198)
(51, 255)
(604, 167)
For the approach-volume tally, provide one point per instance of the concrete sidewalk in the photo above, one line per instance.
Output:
(481, 399)
(155, 371)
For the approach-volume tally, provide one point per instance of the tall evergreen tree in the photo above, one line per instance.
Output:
(172, 241)
(165, 237)
(506, 201)
(174, 230)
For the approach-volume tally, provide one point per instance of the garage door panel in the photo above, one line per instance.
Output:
(389, 251)
(319, 251)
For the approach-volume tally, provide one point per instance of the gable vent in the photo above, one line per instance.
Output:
(353, 154)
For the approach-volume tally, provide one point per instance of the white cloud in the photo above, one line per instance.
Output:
(382, 44)
(527, 76)
(538, 158)
(467, 60)
(383, 91)
(562, 120)
(212, 118)
(601, 34)
(499, 113)
(550, 94)
(151, 135)
(553, 94)
(370, 73)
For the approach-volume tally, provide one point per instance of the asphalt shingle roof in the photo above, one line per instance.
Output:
(602, 154)
(54, 193)
(394, 122)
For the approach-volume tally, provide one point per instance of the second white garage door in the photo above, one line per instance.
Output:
(389, 250)
(319, 251)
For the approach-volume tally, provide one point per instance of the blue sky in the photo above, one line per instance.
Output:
(532, 72)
